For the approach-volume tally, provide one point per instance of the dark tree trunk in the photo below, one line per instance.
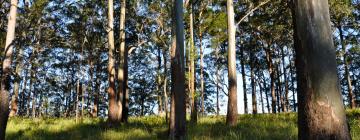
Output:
(178, 114)
(253, 84)
(272, 79)
(321, 109)
(242, 60)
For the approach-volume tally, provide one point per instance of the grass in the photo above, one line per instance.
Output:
(254, 127)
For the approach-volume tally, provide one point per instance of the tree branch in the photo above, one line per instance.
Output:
(252, 10)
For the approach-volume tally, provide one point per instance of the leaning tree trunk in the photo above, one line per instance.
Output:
(113, 104)
(177, 128)
(6, 69)
(321, 109)
(232, 112)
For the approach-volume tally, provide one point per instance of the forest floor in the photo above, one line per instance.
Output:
(255, 127)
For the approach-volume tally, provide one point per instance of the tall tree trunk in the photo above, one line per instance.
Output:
(192, 65)
(286, 99)
(30, 91)
(351, 96)
(261, 96)
(22, 109)
(121, 69)
(253, 84)
(6, 69)
(33, 98)
(97, 92)
(113, 114)
(15, 100)
(266, 94)
(232, 112)
(159, 84)
(177, 130)
(242, 60)
(321, 109)
(272, 79)
(125, 111)
(78, 92)
(293, 85)
(201, 66)
(280, 92)
(217, 82)
(165, 87)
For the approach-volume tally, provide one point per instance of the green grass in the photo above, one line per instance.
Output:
(254, 127)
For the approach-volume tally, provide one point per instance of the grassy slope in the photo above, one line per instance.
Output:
(281, 126)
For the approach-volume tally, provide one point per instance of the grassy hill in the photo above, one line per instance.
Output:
(255, 127)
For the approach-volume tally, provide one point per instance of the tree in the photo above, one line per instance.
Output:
(178, 114)
(122, 58)
(6, 69)
(231, 117)
(113, 104)
(192, 75)
(321, 110)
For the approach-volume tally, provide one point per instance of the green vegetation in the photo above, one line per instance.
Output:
(269, 126)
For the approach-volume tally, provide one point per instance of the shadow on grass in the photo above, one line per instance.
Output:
(92, 131)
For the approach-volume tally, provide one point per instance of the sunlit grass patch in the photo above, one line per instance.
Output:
(255, 127)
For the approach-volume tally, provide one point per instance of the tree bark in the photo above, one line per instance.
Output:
(201, 67)
(159, 84)
(6, 69)
(113, 114)
(217, 82)
(231, 118)
(272, 79)
(121, 70)
(253, 84)
(165, 87)
(286, 98)
(192, 69)
(177, 130)
(244, 79)
(321, 109)
(15, 100)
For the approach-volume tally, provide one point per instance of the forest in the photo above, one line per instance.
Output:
(180, 69)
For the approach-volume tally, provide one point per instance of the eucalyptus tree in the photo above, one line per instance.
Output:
(231, 117)
(321, 110)
(177, 127)
(6, 68)
(114, 106)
